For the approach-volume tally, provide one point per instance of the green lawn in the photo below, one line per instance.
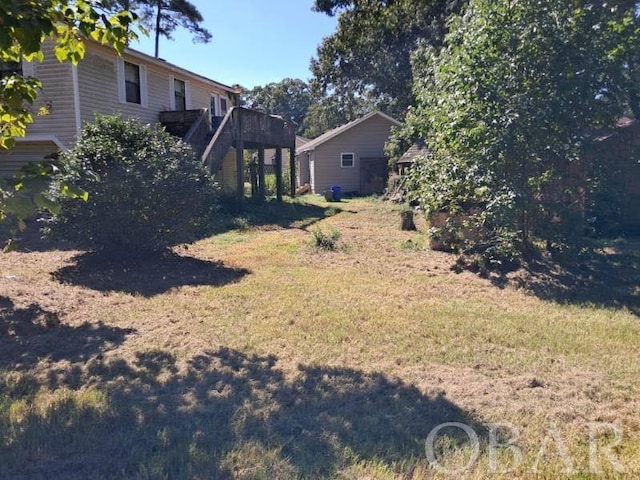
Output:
(251, 354)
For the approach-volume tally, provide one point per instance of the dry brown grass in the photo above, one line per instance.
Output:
(253, 355)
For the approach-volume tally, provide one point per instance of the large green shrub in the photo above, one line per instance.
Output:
(146, 189)
(506, 108)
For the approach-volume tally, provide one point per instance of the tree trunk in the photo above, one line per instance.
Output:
(158, 20)
(407, 220)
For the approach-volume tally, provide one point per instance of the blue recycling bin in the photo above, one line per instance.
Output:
(337, 193)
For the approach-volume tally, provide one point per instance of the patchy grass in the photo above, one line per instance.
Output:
(249, 355)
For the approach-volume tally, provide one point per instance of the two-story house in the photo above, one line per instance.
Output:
(138, 85)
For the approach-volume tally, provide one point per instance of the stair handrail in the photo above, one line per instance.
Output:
(226, 126)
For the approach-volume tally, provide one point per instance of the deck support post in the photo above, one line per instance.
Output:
(239, 158)
(261, 181)
(292, 171)
(279, 173)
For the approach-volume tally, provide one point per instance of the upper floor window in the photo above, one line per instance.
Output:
(9, 68)
(346, 160)
(132, 83)
(180, 94)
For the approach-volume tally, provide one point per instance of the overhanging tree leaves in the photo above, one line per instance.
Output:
(506, 107)
(24, 26)
(370, 53)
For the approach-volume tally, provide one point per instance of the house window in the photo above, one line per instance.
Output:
(212, 108)
(223, 107)
(132, 83)
(346, 160)
(180, 94)
(10, 68)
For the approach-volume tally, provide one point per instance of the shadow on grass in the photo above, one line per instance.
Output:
(251, 213)
(31, 334)
(225, 414)
(147, 276)
(31, 239)
(288, 214)
(608, 277)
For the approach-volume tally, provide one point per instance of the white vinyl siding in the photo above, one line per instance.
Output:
(102, 88)
(23, 153)
(98, 83)
(56, 97)
(98, 74)
(227, 177)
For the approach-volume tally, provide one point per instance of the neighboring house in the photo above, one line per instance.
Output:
(270, 153)
(417, 150)
(134, 85)
(351, 156)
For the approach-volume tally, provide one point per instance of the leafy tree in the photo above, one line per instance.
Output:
(24, 26)
(370, 53)
(148, 191)
(289, 98)
(332, 111)
(163, 17)
(506, 107)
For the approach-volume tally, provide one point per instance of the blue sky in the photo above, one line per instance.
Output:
(255, 42)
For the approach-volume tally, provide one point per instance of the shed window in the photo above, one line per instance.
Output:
(132, 83)
(180, 94)
(346, 160)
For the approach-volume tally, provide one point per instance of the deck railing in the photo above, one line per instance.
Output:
(251, 127)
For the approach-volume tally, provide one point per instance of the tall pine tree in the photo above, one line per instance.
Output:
(163, 17)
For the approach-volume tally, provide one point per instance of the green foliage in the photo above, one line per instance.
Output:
(369, 54)
(289, 98)
(25, 26)
(270, 183)
(413, 244)
(147, 191)
(25, 194)
(505, 108)
(326, 241)
(333, 111)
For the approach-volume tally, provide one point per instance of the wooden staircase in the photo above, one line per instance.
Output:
(241, 128)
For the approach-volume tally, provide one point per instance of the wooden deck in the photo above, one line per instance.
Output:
(241, 128)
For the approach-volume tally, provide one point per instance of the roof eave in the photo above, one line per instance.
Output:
(176, 68)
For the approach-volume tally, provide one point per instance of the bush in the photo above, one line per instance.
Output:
(147, 191)
(327, 241)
